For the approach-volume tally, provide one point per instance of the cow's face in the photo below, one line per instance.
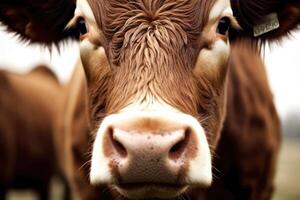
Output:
(156, 73)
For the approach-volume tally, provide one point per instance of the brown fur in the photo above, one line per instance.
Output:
(151, 48)
(76, 144)
(246, 158)
(28, 109)
(150, 64)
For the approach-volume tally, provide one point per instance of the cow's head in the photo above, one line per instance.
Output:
(156, 73)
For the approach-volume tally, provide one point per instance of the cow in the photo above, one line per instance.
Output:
(27, 150)
(171, 100)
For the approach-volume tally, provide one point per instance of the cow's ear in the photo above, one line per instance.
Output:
(267, 19)
(38, 21)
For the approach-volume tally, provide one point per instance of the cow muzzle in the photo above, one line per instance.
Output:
(151, 154)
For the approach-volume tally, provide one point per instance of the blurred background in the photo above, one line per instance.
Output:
(283, 66)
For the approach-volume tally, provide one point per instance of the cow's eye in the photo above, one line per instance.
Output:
(223, 26)
(81, 26)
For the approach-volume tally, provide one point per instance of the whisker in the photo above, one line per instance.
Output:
(84, 165)
(185, 196)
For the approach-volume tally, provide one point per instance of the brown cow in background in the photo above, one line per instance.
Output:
(246, 157)
(158, 110)
(28, 107)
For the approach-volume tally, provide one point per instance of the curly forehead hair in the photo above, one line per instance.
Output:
(118, 17)
(153, 42)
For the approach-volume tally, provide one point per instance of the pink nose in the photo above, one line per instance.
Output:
(150, 148)
(148, 157)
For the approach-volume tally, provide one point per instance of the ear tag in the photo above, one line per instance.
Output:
(267, 24)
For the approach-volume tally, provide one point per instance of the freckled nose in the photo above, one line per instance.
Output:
(144, 157)
(151, 148)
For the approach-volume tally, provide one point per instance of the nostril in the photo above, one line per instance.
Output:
(178, 149)
(117, 145)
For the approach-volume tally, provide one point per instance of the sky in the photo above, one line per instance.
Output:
(282, 62)
(283, 67)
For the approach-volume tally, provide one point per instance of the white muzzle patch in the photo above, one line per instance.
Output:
(199, 170)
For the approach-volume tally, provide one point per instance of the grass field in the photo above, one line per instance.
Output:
(287, 180)
(288, 176)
